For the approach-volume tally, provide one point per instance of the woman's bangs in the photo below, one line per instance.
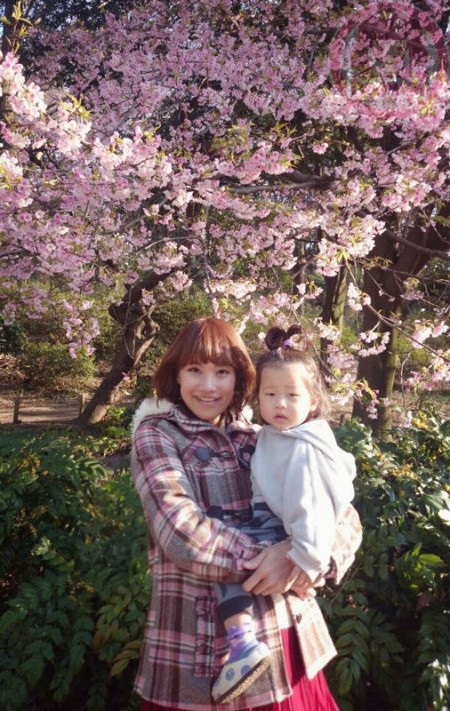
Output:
(210, 346)
(210, 351)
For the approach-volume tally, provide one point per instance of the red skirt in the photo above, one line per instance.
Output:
(308, 695)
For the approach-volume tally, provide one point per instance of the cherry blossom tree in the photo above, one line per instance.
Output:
(276, 153)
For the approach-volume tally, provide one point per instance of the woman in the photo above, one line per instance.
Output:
(190, 463)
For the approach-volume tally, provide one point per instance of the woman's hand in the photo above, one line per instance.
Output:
(274, 571)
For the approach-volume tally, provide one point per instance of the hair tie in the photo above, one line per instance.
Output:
(297, 341)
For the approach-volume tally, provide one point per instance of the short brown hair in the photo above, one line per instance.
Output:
(294, 346)
(205, 340)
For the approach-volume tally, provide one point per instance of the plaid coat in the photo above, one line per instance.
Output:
(189, 474)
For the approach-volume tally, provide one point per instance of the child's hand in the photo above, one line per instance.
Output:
(303, 585)
(302, 581)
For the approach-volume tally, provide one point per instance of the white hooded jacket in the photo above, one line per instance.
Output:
(306, 480)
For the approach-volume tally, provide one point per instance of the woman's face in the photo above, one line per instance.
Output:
(207, 389)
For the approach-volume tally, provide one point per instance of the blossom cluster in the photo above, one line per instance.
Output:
(232, 150)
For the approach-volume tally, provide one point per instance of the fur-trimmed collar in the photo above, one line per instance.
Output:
(150, 406)
(153, 406)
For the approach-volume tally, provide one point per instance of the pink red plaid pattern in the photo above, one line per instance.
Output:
(307, 695)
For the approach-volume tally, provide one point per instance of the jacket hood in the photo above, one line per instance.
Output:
(319, 434)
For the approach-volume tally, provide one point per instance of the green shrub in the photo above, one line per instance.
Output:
(74, 589)
(411, 359)
(74, 583)
(390, 619)
(12, 337)
(107, 342)
(50, 367)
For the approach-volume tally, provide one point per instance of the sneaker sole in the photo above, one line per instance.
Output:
(243, 684)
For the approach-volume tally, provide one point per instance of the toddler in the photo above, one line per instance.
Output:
(302, 484)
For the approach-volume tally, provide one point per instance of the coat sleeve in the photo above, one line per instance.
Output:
(257, 495)
(313, 497)
(188, 537)
(346, 542)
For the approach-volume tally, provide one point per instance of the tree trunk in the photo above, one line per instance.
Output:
(334, 307)
(8, 28)
(372, 369)
(385, 288)
(392, 362)
(132, 348)
(138, 335)
(7, 45)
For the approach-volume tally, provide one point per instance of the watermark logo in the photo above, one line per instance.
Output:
(383, 52)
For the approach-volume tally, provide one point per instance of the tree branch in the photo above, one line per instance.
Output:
(294, 181)
(417, 247)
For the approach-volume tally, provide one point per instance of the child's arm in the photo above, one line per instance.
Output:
(313, 495)
(347, 541)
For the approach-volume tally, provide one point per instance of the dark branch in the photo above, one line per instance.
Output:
(418, 247)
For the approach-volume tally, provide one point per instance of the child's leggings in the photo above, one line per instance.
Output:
(263, 526)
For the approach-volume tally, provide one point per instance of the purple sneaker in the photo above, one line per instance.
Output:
(236, 676)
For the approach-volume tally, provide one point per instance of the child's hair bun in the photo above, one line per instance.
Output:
(274, 338)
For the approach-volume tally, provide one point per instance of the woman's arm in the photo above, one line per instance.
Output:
(190, 539)
(275, 575)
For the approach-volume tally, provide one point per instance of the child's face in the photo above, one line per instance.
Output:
(285, 400)
(207, 389)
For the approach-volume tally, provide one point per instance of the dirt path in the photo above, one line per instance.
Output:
(20, 406)
(38, 411)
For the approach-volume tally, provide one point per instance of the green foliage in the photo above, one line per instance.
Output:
(12, 337)
(110, 437)
(390, 619)
(74, 588)
(107, 342)
(74, 583)
(50, 367)
(172, 315)
(412, 358)
(349, 334)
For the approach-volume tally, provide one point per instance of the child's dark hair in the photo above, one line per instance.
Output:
(294, 346)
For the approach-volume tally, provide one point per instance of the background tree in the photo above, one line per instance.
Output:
(214, 143)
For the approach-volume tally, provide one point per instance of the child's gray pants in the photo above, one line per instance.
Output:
(263, 526)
